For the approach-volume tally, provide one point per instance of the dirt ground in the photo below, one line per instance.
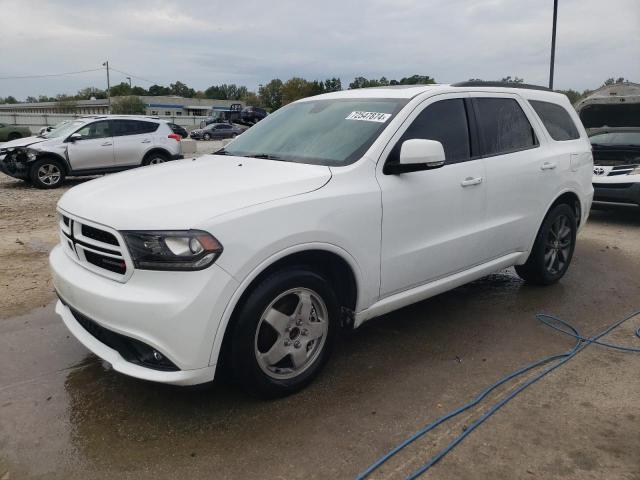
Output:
(65, 415)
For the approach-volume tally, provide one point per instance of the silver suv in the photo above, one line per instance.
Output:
(90, 146)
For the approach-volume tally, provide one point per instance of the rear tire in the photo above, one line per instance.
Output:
(284, 333)
(14, 136)
(553, 248)
(155, 158)
(47, 173)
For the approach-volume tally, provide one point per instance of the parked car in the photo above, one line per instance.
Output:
(179, 130)
(13, 132)
(90, 146)
(216, 131)
(252, 114)
(253, 261)
(616, 169)
(224, 115)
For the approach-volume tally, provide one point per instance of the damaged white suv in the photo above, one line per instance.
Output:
(89, 146)
(331, 211)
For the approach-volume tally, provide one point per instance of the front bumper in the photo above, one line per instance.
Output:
(621, 192)
(14, 164)
(175, 313)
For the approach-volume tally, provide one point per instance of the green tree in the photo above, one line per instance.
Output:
(508, 79)
(136, 90)
(159, 90)
(181, 90)
(88, 92)
(31, 99)
(271, 94)
(250, 98)
(120, 90)
(332, 85)
(226, 92)
(129, 105)
(296, 88)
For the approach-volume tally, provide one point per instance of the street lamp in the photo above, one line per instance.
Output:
(553, 43)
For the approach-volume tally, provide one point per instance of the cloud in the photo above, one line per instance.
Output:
(205, 43)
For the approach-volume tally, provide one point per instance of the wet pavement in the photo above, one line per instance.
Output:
(65, 415)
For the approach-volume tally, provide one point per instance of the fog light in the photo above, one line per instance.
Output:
(157, 356)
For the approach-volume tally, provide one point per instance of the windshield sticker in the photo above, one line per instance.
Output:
(369, 116)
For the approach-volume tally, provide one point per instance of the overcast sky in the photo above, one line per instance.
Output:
(249, 42)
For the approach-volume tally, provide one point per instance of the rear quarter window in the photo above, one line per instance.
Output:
(556, 120)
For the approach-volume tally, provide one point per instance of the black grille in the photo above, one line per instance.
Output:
(613, 185)
(99, 235)
(130, 349)
(115, 265)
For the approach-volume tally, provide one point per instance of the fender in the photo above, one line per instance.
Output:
(583, 210)
(242, 286)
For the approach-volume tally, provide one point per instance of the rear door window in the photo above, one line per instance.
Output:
(444, 121)
(556, 120)
(503, 126)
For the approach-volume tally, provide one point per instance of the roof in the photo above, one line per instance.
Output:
(411, 91)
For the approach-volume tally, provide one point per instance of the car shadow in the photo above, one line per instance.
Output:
(614, 214)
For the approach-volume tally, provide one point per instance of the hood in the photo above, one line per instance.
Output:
(182, 194)
(22, 142)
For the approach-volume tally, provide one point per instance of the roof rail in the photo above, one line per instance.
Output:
(482, 83)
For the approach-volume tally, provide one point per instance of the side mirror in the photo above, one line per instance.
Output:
(74, 137)
(416, 155)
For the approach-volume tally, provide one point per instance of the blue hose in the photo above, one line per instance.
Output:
(559, 359)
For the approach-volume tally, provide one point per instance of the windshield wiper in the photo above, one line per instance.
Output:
(222, 151)
(266, 156)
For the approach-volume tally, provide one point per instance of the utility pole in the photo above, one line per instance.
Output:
(106, 64)
(129, 78)
(553, 43)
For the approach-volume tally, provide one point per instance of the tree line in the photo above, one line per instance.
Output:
(271, 95)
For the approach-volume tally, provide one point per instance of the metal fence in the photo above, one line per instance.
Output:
(35, 121)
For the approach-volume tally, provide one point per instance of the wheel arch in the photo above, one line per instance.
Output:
(340, 268)
(153, 150)
(568, 197)
(52, 156)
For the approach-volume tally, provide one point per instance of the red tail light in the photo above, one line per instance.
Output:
(175, 136)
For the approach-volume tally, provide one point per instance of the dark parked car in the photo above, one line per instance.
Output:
(13, 132)
(216, 131)
(253, 114)
(177, 129)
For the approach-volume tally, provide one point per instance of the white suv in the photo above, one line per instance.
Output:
(332, 210)
(89, 146)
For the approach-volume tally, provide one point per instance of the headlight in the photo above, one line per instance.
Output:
(31, 154)
(635, 171)
(172, 250)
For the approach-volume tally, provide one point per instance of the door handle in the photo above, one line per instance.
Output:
(548, 166)
(106, 144)
(469, 181)
(146, 141)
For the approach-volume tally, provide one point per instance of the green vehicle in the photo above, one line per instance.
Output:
(12, 132)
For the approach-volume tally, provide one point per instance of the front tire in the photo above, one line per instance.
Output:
(206, 136)
(284, 333)
(553, 248)
(47, 173)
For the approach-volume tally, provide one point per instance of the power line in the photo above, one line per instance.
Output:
(47, 75)
(132, 76)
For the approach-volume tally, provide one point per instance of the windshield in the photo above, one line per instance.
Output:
(63, 129)
(616, 138)
(325, 132)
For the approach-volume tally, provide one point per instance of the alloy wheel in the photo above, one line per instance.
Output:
(291, 333)
(156, 160)
(49, 174)
(558, 245)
